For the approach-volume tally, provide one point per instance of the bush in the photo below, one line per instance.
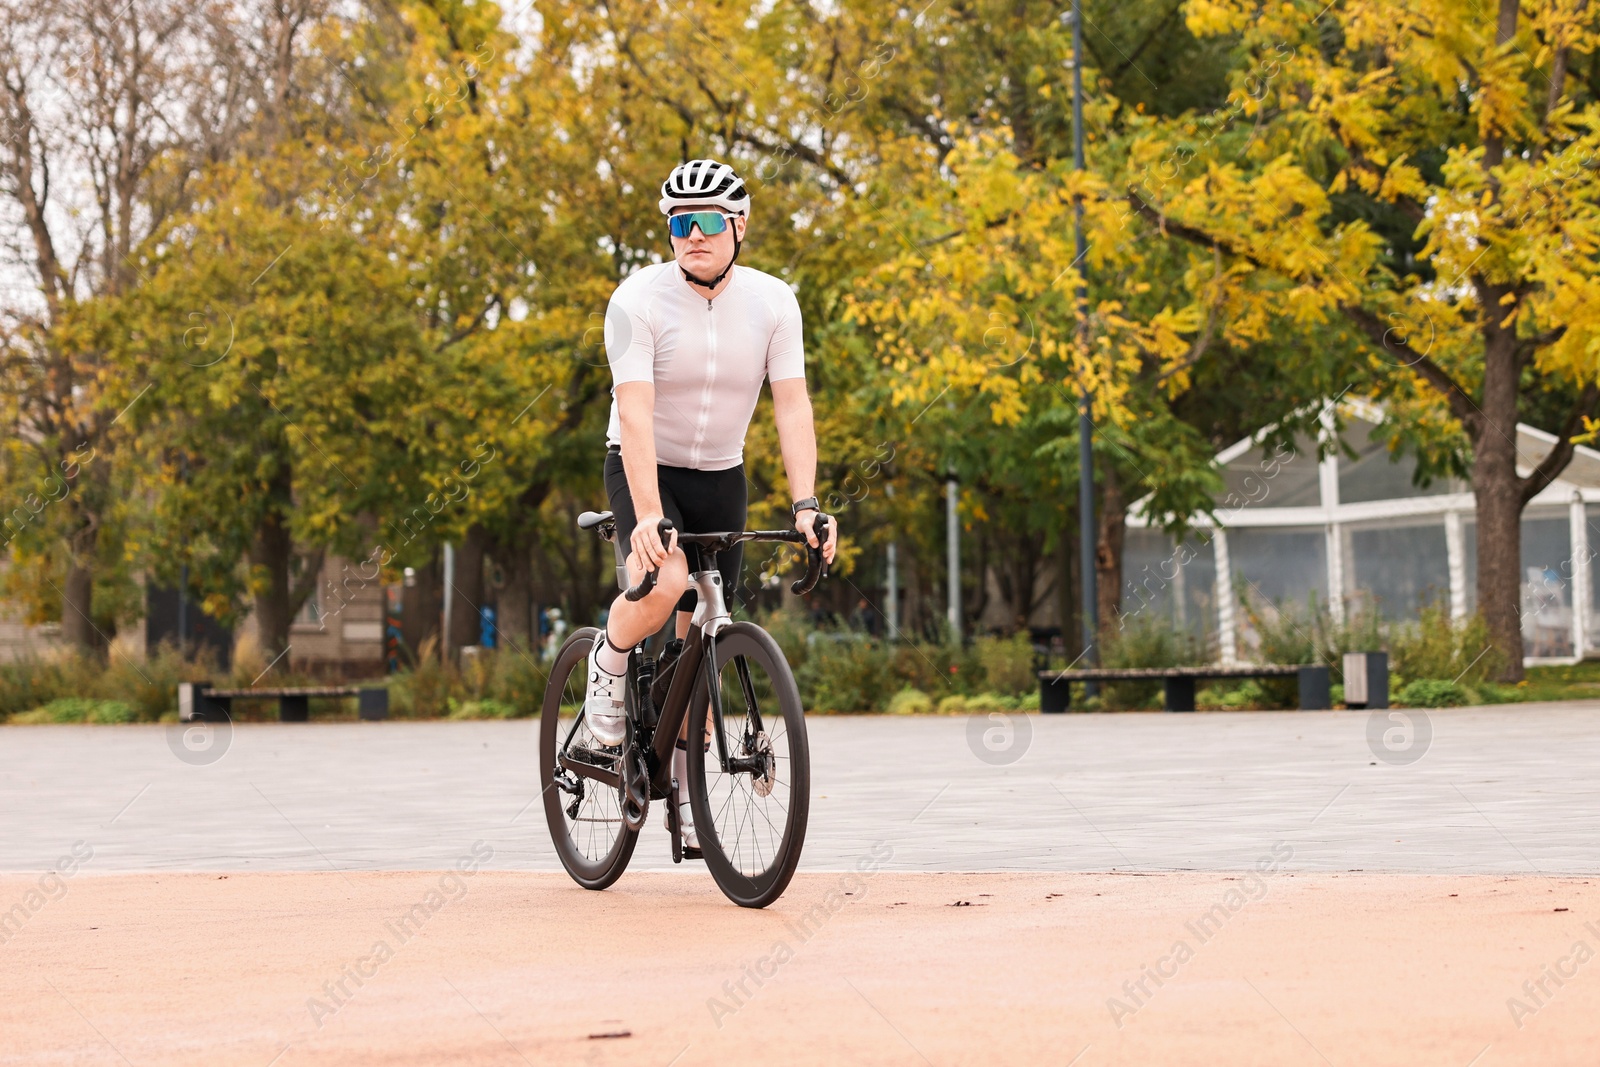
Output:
(504, 676)
(910, 702)
(1433, 693)
(1144, 641)
(107, 712)
(845, 672)
(486, 708)
(982, 703)
(937, 668)
(29, 683)
(77, 710)
(790, 630)
(424, 691)
(152, 686)
(1440, 647)
(1006, 663)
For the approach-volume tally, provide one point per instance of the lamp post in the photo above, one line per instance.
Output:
(952, 495)
(893, 598)
(1086, 531)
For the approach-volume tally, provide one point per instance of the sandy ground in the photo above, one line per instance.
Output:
(862, 968)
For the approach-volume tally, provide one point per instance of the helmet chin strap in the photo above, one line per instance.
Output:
(714, 282)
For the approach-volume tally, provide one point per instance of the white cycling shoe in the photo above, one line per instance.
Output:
(680, 771)
(603, 707)
(685, 825)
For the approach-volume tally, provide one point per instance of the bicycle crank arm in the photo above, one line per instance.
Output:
(603, 775)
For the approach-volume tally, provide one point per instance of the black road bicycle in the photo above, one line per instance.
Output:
(749, 777)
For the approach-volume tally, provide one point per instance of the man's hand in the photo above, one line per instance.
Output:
(805, 523)
(646, 541)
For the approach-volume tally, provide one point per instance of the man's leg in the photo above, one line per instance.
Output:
(628, 623)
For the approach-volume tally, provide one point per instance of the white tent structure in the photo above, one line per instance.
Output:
(1359, 533)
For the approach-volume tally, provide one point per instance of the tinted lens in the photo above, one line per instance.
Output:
(710, 223)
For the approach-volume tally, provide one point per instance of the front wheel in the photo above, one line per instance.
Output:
(750, 788)
(585, 815)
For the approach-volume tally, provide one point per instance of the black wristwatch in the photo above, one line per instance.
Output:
(808, 504)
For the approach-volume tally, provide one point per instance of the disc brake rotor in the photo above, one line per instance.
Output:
(761, 748)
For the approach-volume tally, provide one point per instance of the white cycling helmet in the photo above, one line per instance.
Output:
(704, 181)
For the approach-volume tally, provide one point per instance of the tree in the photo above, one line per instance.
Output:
(1424, 180)
(283, 363)
(102, 105)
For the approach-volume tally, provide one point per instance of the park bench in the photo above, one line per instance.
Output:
(1366, 681)
(199, 702)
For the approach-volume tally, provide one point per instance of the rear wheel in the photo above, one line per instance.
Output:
(585, 815)
(750, 815)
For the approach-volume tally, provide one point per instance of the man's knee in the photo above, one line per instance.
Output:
(672, 580)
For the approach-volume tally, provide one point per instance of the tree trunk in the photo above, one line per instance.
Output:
(271, 551)
(77, 597)
(1498, 492)
(78, 629)
(516, 623)
(1108, 551)
(421, 606)
(467, 595)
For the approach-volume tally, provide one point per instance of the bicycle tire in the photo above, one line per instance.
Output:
(591, 872)
(746, 875)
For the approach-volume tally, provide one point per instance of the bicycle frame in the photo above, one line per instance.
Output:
(691, 677)
(694, 679)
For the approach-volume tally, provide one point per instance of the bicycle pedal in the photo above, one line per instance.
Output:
(693, 853)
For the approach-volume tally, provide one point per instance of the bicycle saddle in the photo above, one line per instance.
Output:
(590, 519)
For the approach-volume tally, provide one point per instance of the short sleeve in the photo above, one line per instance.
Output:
(786, 353)
(630, 343)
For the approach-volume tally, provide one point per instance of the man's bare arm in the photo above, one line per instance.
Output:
(636, 406)
(797, 438)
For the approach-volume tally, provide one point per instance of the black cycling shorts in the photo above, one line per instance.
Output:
(696, 502)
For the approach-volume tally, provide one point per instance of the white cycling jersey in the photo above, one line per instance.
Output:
(706, 358)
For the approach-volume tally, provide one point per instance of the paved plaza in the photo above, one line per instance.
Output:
(1085, 890)
(1505, 790)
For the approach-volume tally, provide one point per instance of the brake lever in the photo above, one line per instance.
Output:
(816, 567)
(638, 592)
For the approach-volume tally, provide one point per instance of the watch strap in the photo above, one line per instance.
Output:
(808, 504)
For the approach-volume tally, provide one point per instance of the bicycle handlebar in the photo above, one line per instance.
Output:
(648, 582)
(815, 567)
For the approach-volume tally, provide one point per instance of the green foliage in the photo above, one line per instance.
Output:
(1144, 641)
(107, 712)
(31, 682)
(910, 702)
(937, 669)
(1433, 693)
(1006, 663)
(148, 687)
(486, 708)
(845, 672)
(1248, 695)
(980, 703)
(789, 629)
(79, 710)
(1440, 647)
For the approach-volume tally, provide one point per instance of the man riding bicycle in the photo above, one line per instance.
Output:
(689, 343)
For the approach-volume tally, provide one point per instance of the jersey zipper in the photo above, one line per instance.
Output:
(705, 394)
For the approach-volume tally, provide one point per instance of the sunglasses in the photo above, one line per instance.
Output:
(711, 223)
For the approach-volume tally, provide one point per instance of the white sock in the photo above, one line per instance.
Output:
(609, 659)
(680, 771)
